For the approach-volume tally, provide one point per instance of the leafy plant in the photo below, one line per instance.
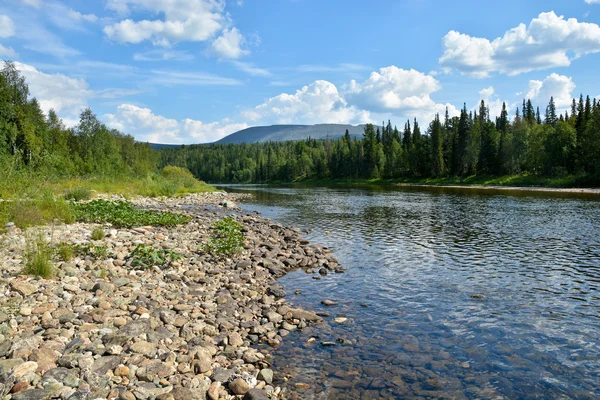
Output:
(145, 256)
(38, 257)
(227, 237)
(65, 251)
(97, 234)
(100, 252)
(78, 194)
(124, 214)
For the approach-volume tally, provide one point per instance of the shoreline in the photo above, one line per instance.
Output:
(536, 189)
(103, 328)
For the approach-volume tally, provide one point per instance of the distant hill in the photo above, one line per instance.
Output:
(160, 146)
(282, 133)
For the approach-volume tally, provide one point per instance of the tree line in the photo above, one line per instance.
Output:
(31, 140)
(473, 143)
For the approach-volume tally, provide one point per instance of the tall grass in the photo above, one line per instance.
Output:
(38, 257)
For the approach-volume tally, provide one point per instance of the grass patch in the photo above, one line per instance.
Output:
(123, 214)
(78, 194)
(98, 234)
(65, 251)
(38, 257)
(144, 256)
(44, 210)
(227, 237)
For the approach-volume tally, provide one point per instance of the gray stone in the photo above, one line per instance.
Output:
(256, 394)
(104, 364)
(32, 394)
(135, 328)
(266, 375)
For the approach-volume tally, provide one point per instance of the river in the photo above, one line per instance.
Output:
(447, 294)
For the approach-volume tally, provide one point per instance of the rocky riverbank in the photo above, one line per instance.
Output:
(103, 328)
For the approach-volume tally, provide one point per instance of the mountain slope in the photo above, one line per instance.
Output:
(279, 133)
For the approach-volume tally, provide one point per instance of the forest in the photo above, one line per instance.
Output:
(472, 144)
(38, 143)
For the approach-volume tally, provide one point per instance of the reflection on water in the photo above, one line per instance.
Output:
(448, 294)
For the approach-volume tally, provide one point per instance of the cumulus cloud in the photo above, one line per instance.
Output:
(229, 44)
(398, 91)
(549, 41)
(184, 20)
(492, 101)
(7, 26)
(558, 86)
(592, 1)
(147, 126)
(319, 102)
(66, 95)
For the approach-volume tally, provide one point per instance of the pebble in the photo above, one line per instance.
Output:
(105, 329)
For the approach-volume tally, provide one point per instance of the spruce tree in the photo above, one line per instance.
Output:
(437, 155)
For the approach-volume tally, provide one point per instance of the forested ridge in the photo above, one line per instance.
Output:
(472, 144)
(33, 142)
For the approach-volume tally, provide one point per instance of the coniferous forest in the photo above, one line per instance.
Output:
(472, 144)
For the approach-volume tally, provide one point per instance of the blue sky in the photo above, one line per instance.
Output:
(193, 71)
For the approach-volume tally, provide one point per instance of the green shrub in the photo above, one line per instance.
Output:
(172, 172)
(97, 234)
(124, 214)
(144, 256)
(38, 257)
(78, 194)
(65, 251)
(227, 237)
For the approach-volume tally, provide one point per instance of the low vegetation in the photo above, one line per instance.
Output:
(144, 256)
(38, 257)
(123, 214)
(227, 237)
(97, 234)
(65, 251)
(78, 194)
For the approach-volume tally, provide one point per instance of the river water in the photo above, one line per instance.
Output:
(448, 294)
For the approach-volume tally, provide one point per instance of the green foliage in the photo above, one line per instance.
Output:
(227, 237)
(124, 214)
(65, 251)
(78, 194)
(38, 257)
(100, 252)
(97, 234)
(473, 143)
(32, 212)
(144, 256)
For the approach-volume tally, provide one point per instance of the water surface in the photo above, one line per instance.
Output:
(448, 293)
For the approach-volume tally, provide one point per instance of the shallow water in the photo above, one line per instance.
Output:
(448, 293)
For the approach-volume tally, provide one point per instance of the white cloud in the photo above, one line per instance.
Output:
(147, 126)
(344, 67)
(559, 86)
(7, 52)
(229, 44)
(319, 102)
(492, 101)
(398, 91)
(7, 26)
(163, 55)
(79, 17)
(549, 41)
(190, 78)
(251, 69)
(184, 20)
(592, 1)
(67, 96)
